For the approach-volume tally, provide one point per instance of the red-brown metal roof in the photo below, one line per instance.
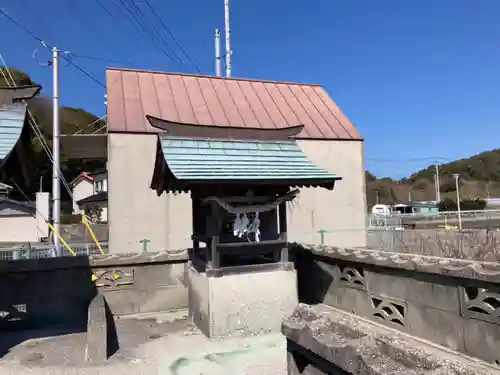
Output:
(209, 100)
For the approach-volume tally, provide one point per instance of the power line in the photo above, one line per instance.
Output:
(414, 160)
(83, 71)
(100, 36)
(27, 31)
(95, 58)
(35, 127)
(32, 12)
(153, 36)
(172, 36)
(155, 33)
(112, 16)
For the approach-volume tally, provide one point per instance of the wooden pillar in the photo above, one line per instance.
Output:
(214, 256)
(283, 231)
(196, 229)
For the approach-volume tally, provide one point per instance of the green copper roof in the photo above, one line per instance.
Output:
(11, 125)
(228, 160)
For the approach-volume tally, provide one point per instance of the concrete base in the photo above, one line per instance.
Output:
(241, 303)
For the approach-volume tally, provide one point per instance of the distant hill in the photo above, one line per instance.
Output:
(72, 120)
(479, 177)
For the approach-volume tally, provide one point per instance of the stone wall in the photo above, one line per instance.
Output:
(451, 302)
(58, 291)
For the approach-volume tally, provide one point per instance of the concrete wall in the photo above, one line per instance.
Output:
(246, 302)
(451, 302)
(42, 214)
(135, 212)
(57, 291)
(18, 229)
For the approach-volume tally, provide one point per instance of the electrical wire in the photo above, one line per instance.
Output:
(30, 33)
(92, 27)
(26, 30)
(152, 35)
(68, 59)
(36, 128)
(33, 13)
(415, 160)
(94, 58)
(92, 123)
(148, 4)
(156, 34)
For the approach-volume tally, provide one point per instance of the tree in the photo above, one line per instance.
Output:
(369, 177)
(72, 120)
(20, 78)
(475, 204)
(94, 213)
(479, 176)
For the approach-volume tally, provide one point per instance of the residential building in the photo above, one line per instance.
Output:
(82, 187)
(136, 213)
(90, 193)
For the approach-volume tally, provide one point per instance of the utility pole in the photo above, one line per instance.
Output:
(228, 42)
(56, 186)
(217, 53)
(458, 201)
(438, 184)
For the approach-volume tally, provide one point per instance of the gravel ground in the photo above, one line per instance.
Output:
(192, 353)
(149, 345)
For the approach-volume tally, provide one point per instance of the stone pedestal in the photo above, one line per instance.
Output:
(243, 301)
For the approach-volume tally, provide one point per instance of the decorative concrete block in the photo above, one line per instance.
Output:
(482, 340)
(123, 301)
(442, 327)
(430, 293)
(163, 298)
(351, 300)
(329, 341)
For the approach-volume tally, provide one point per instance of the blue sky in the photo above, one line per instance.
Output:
(420, 79)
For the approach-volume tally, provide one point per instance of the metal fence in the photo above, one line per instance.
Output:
(48, 251)
(477, 244)
(487, 219)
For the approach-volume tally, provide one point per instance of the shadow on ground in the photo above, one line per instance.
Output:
(44, 298)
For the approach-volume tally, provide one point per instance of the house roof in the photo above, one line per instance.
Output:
(192, 160)
(10, 95)
(192, 154)
(84, 176)
(99, 197)
(4, 186)
(12, 119)
(217, 101)
(23, 208)
(11, 126)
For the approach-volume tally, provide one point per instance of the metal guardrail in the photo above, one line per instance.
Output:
(48, 251)
(487, 213)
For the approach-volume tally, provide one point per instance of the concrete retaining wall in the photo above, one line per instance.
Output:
(38, 293)
(451, 302)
